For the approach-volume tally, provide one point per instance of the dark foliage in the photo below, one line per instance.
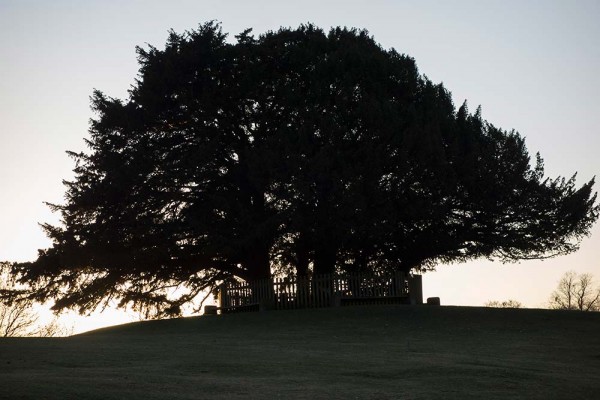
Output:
(294, 151)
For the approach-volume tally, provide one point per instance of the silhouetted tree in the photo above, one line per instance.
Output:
(295, 151)
(576, 292)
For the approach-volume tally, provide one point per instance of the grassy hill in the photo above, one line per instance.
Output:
(378, 352)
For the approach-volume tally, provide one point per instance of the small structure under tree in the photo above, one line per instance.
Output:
(331, 290)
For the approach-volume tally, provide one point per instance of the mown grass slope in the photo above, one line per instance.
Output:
(378, 352)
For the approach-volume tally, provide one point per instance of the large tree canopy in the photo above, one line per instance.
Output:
(296, 151)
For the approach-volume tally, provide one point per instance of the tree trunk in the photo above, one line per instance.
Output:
(302, 256)
(258, 264)
(325, 257)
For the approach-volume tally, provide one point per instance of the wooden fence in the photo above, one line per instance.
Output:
(320, 291)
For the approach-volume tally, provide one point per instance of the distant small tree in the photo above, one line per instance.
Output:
(576, 292)
(53, 328)
(18, 318)
(504, 304)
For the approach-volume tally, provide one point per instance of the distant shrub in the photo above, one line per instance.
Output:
(504, 304)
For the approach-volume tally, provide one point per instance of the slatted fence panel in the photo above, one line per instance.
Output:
(320, 291)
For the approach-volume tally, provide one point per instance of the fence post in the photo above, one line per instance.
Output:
(336, 298)
(223, 301)
(268, 300)
(399, 283)
(415, 289)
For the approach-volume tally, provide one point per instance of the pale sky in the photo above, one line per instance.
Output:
(532, 65)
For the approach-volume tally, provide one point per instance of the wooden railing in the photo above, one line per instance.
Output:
(319, 291)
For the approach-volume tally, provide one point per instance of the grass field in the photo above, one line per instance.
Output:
(377, 352)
